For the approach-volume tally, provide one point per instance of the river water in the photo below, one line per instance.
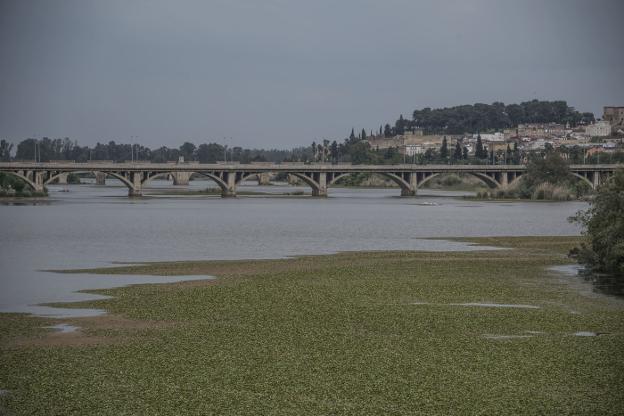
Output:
(94, 226)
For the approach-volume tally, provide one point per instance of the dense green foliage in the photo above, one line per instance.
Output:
(350, 334)
(551, 168)
(548, 177)
(604, 228)
(5, 150)
(73, 178)
(13, 186)
(47, 149)
(496, 116)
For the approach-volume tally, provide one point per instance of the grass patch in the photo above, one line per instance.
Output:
(336, 334)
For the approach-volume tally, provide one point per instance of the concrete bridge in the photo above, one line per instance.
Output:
(318, 176)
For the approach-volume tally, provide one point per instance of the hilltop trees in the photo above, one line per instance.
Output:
(495, 116)
(388, 131)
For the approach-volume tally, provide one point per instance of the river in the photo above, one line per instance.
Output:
(94, 226)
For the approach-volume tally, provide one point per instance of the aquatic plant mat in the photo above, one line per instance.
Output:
(382, 333)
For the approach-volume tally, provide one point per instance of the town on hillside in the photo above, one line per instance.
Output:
(600, 137)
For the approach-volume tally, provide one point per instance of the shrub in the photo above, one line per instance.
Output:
(604, 229)
(72, 178)
(451, 180)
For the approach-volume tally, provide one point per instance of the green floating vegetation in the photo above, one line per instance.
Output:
(352, 334)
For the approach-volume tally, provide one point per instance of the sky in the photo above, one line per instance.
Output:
(281, 74)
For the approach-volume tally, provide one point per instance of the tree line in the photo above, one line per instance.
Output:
(47, 149)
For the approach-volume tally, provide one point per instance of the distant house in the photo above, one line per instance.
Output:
(598, 129)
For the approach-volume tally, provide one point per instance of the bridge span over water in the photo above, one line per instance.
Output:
(318, 176)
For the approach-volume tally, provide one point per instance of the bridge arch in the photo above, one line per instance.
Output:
(428, 178)
(572, 174)
(309, 181)
(487, 180)
(248, 175)
(396, 179)
(222, 184)
(115, 175)
(28, 182)
(584, 178)
(155, 176)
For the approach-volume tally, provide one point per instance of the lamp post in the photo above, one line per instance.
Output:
(132, 139)
(36, 141)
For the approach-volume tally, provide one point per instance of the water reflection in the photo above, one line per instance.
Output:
(604, 283)
(600, 283)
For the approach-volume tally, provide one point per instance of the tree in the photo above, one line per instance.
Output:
(209, 153)
(5, 150)
(604, 229)
(360, 153)
(457, 155)
(516, 154)
(26, 149)
(187, 150)
(399, 126)
(352, 136)
(387, 131)
(363, 134)
(444, 151)
(480, 152)
(333, 151)
(552, 169)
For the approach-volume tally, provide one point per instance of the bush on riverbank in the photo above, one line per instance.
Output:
(604, 228)
(73, 179)
(455, 182)
(366, 180)
(547, 179)
(13, 187)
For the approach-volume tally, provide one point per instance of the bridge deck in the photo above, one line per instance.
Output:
(282, 167)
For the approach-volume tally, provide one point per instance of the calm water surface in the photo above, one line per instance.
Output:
(93, 226)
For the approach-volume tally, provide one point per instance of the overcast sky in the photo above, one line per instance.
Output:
(279, 73)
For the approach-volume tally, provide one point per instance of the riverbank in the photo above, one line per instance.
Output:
(489, 332)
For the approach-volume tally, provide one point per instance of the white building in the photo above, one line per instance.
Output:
(598, 129)
(495, 137)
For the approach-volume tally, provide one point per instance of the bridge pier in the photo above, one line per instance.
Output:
(38, 181)
(62, 179)
(181, 178)
(230, 185)
(320, 190)
(412, 181)
(100, 178)
(504, 180)
(596, 180)
(136, 189)
(264, 179)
